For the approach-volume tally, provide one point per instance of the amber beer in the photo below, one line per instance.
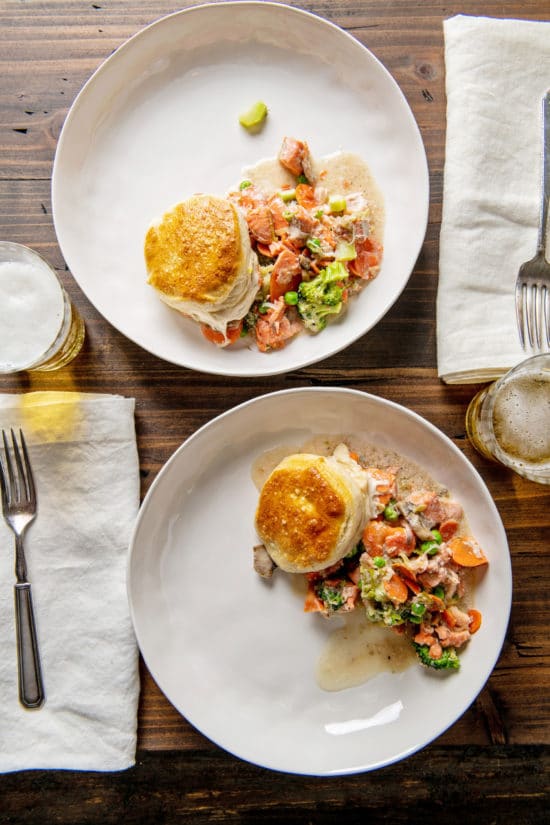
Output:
(510, 420)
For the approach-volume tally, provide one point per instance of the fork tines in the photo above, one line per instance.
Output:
(533, 315)
(19, 484)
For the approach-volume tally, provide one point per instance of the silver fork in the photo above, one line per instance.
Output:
(533, 281)
(19, 507)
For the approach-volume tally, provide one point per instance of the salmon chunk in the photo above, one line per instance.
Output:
(292, 155)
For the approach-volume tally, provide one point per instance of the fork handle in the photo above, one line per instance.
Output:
(31, 689)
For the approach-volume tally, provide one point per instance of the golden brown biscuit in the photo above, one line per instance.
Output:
(199, 259)
(310, 513)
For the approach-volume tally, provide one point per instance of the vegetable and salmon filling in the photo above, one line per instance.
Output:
(315, 249)
(410, 571)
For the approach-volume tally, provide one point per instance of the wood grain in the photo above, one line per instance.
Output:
(499, 749)
(474, 784)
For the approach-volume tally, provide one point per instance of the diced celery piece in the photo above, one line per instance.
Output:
(254, 116)
(314, 245)
(288, 195)
(345, 251)
(337, 203)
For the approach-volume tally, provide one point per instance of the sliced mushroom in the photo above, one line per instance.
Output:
(420, 525)
(263, 563)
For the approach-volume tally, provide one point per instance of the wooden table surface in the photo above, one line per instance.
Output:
(493, 763)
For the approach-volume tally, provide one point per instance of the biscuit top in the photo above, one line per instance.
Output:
(195, 252)
(302, 513)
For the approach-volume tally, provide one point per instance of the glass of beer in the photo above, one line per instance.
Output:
(509, 421)
(39, 327)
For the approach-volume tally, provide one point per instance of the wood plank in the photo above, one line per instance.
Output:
(487, 785)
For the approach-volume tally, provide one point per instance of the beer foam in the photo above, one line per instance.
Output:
(521, 418)
(31, 313)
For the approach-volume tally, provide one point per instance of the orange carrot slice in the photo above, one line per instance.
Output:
(408, 577)
(448, 529)
(466, 552)
(435, 603)
(449, 619)
(475, 624)
(396, 589)
(233, 333)
(264, 249)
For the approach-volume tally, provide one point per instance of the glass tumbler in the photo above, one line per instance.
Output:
(509, 421)
(39, 327)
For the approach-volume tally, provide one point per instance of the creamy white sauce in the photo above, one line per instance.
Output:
(343, 173)
(410, 475)
(31, 313)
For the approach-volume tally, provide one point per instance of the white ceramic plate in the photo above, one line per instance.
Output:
(158, 121)
(237, 657)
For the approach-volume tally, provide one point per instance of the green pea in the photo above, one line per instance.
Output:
(429, 547)
(418, 609)
(391, 513)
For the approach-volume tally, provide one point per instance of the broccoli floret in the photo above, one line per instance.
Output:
(447, 661)
(379, 608)
(249, 321)
(384, 613)
(330, 595)
(372, 584)
(321, 297)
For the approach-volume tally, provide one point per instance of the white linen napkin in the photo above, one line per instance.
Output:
(84, 458)
(497, 72)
